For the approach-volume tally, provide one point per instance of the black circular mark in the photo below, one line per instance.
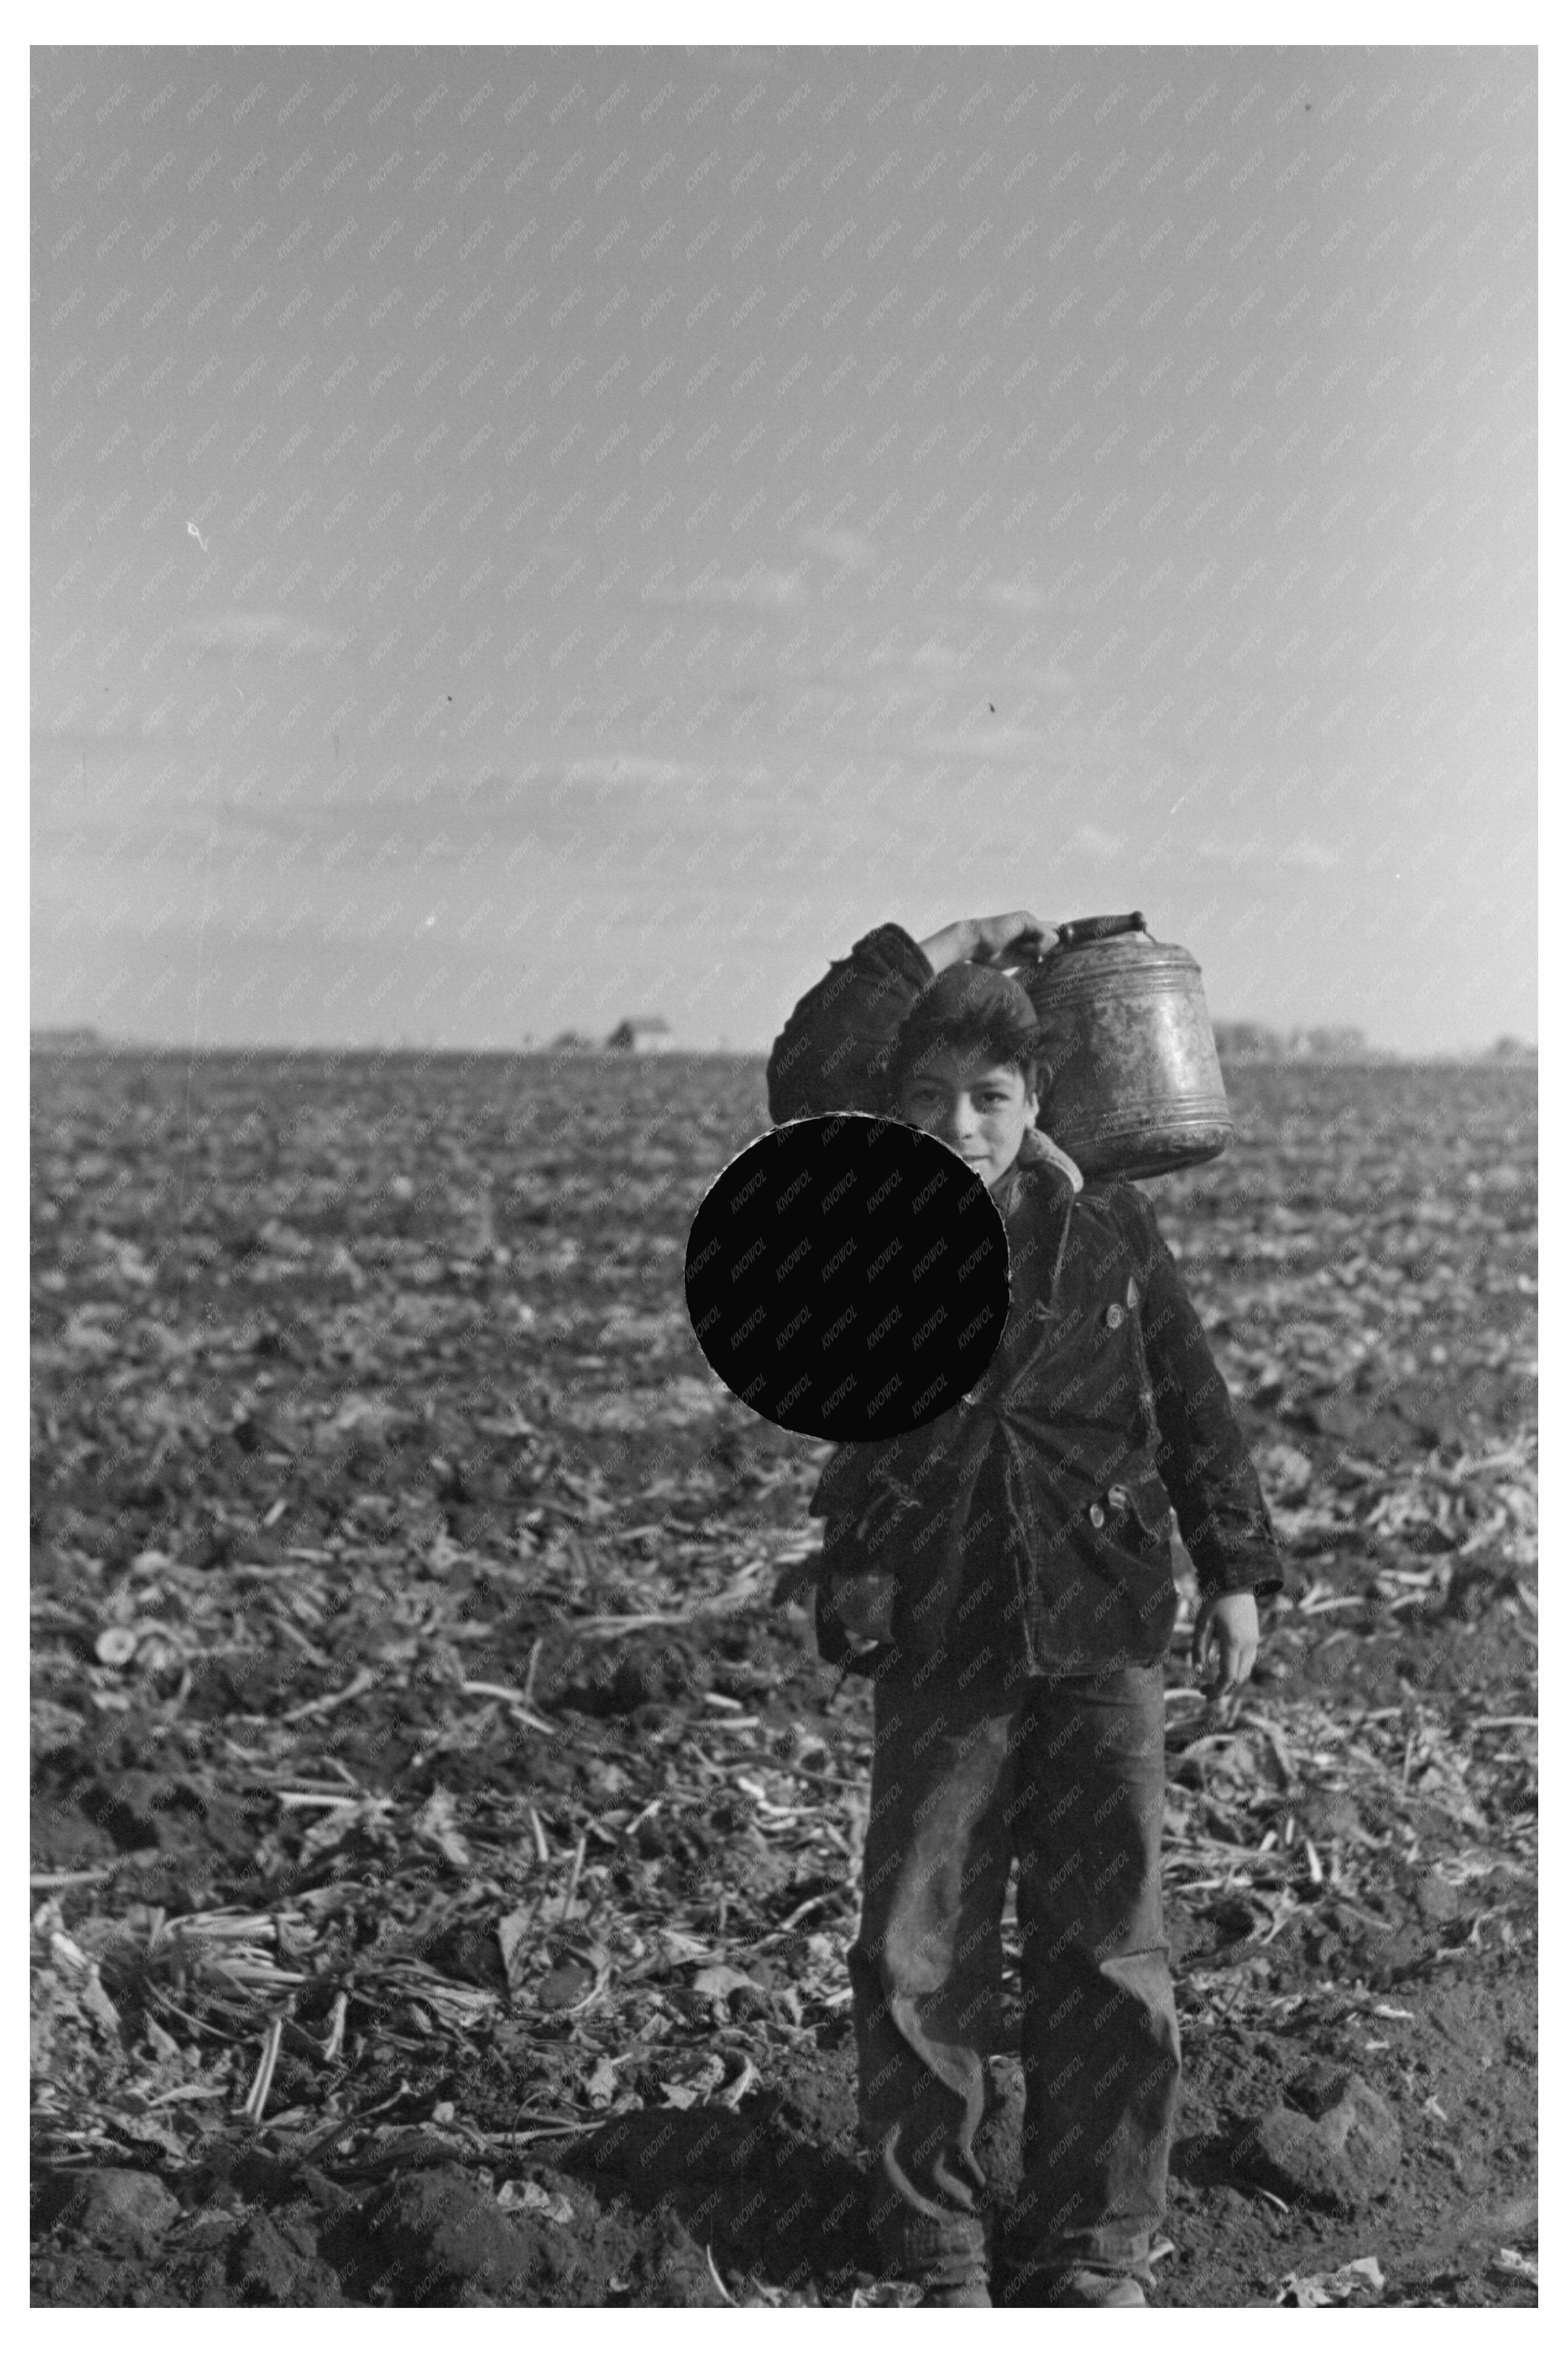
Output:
(847, 1277)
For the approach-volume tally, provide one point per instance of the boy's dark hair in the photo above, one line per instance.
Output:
(975, 1010)
(911, 1055)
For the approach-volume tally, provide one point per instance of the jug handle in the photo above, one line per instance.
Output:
(1097, 927)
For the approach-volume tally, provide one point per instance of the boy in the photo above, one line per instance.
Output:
(1006, 1575)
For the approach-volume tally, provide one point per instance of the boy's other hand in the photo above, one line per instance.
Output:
(863, 1605)
(1021, 937)
(1226, 1622)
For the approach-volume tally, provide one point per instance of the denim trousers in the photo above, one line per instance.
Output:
(971, 1768)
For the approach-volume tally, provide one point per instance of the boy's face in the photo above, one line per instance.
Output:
(978, 1108)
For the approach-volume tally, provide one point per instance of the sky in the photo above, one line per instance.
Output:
(523, 537)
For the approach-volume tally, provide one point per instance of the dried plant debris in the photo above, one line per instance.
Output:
(445, 1855)
(1359, 2282)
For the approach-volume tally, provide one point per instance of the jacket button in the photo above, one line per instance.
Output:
(1115, 1315)
(1096, 1516)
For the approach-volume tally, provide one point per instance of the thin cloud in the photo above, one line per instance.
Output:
(767, 591)
(236, 637)
(1095, 842)
(894, 656)
(72, 736)
(1020, 597)
(937, 655)
(993, 742)
(632, 768)
(553, 799)
(1315, 857)
(850, 548)
(1050, 679)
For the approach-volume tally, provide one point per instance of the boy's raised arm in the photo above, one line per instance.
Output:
(828, 1056)
(825, 1058)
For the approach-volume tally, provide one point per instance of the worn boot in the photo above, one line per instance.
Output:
(1093, 2289)
(970, 2294)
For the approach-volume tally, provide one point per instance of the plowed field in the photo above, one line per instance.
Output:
(443, 1854)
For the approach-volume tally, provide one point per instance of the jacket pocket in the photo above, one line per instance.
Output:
(1139, 1507)
(888, 1514)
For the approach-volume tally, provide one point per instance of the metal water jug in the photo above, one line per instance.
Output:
(1136, 1089)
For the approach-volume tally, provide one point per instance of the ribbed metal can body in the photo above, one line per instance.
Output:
(1137, 1086)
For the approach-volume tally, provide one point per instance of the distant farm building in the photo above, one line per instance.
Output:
(66, 1041)
(642, 1034)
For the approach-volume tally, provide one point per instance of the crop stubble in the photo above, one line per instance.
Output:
(444, 1856)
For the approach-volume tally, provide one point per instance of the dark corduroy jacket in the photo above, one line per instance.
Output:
(1036, 1514)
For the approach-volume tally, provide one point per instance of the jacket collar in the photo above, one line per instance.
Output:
(1037, 1150)
(1043, 1173)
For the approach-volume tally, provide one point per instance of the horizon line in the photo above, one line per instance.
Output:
(71, 1040)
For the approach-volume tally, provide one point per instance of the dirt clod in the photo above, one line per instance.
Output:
(559, 1988)
(274, 2263)
(433, 2234)
(1340, 2147)
(118, 2207)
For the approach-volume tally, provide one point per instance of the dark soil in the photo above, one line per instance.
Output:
(552, 1981)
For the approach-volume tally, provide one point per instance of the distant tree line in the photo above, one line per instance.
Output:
(1254, 1042)
(65, 1042)
(1238, 1041)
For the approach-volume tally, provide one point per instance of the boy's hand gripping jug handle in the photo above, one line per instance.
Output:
(1097, 927)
